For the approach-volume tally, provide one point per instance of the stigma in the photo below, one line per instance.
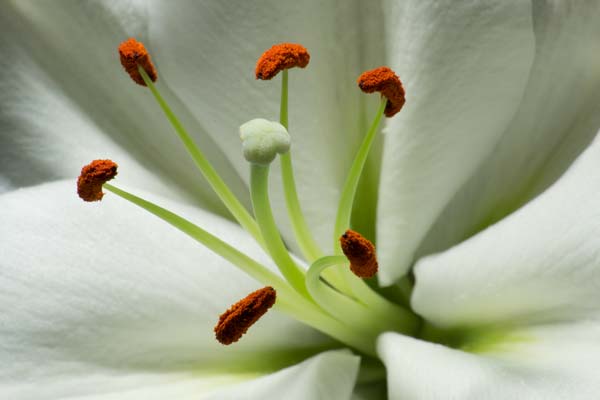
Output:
(236, 321)
(279, 57)
(262, 140)
(93, 176)
(385, 81)
(134, 54)
(361, 254)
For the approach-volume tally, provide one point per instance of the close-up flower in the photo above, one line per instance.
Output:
(273, 199)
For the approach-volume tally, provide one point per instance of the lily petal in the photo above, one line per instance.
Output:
(563, 363)
(206, 52)
(329, 375)
(65, 100)
(465, 67)
(539, 263)
(556, 121)
(98, 298)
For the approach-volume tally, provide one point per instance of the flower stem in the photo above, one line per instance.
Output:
(219, 186)
(259, 189)
(308, 246)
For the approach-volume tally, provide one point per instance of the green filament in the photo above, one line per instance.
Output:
(227, 197)
(242, 261)
(310, 249)
(342, 220)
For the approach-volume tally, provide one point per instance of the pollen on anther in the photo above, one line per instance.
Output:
(132, 54)
(385, 81)
(279, 57)
(93, 176)
(236, 321)
(360, 252)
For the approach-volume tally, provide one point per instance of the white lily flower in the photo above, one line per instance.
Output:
(482, 195)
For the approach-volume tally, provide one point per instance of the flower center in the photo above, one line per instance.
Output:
(331, 295)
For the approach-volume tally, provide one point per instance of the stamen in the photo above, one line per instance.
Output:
(234, 322)
(385, 81)
(279, 57)
(360, 252)
(133, 53)
(93, 176)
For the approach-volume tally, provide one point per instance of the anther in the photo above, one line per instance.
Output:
(385, 81)
(279, 57)
(132, 54)
(360, 252)
(93, 176)
(234, 322)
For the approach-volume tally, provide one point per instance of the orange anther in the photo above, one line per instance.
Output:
(93, 176)
(360, 252)
(385, 81)
(132, 54)
(234, 322)
(279, 57)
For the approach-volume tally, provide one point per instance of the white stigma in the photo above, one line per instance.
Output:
(262, 140)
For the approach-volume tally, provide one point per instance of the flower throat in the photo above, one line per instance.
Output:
(331, 295)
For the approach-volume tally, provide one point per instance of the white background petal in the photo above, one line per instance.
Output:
(558, 117)
(465, 66)
(66, 100)
(563, 363)
(102, 297)
(327, 376)
(541, 262)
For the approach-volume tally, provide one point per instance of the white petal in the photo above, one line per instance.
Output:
(207, 51)
(539, 263)
(562, 363)
(558, 117)
(465, 67)
(66, 100)
(103, 297)
(327, 376)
